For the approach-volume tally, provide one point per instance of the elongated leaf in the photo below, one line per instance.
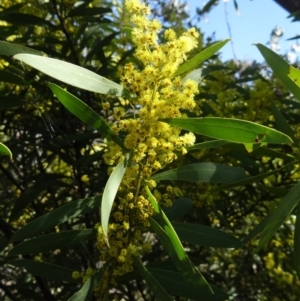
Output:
(267, 152)
(207, 7)
(197, 75)
(88, 288)
(22, 19)
(203, 172)
(46, 270)
(234, 130)
(184, 265)
(7, 48)
(89, 11)
(159, 292)
(179, 208)
(207, 144)
(281, 123)
(174, 248)
(280, 68)
(9, 77)
(206, 236)
(109, 194)
(279, 215)
(297, 242)
(175, 283)
(71, 74)
(53, 241)
(201, 57)
(56, 217)
(258, 177)
(4, 150)
(85, 113)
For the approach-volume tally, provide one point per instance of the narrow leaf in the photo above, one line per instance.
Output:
(279, 215)
(281, 123)
(197, 75)
(26, 19)
(71, 74)
(174, 248)
(258, 177)
(207, 7)
(46, 270)
(85, 113)
(207, 144)
(109, 194)
(56, 217)
(175, 283)
(268, 152)
(280, 68)
(7, 48)
(203, 172)
(5, 151)
(183, 263)
(179, 208)
(159, 292)
(53, 241)
(297, 242)
(206, 236)
(201, 57)
(9, 77)
(234, 130)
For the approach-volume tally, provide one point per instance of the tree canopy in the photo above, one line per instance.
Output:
(136, 165)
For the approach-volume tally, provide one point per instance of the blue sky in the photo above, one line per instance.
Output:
(254, 24)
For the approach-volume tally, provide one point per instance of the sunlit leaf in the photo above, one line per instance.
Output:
(279, 215)
(109, 194)
(234, 130)
(53, 241)
(71, 74)
(56, 217)
(46, 270)
(4, 150)
(159, 292)
(172, 244)
(7, 48)
(197, 75)
(203, 172)
(85, 113)
(200, 57)
(280, 68)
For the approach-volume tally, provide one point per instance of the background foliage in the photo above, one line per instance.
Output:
(57, 159)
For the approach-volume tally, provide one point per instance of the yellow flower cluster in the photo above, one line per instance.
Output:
(153, 143)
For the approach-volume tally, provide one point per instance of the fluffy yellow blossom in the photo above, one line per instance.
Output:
(152, 143)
